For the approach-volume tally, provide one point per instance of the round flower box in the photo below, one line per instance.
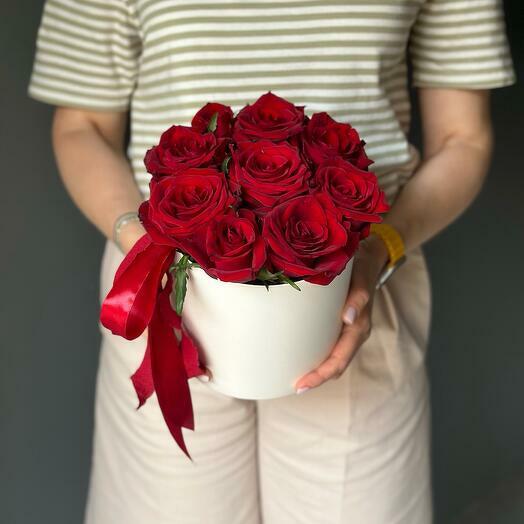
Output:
(266, 195)
(258, 342)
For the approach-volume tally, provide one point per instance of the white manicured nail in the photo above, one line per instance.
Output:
(350, 315)
(302, 390)
(203, 378)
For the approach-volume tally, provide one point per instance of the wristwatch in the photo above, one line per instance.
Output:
(396, 250)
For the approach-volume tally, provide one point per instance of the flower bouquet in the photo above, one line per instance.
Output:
(255, 219)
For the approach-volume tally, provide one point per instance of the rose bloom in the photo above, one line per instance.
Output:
(181, 205)
(306, 239)
(233, 249)
(203, 117)
(354, 191)
(181, 147)
(325, 138)
(265, 174)
(270, 117)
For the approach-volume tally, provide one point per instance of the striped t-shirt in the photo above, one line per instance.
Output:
(164, 59)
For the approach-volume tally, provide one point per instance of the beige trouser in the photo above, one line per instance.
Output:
(355, 450)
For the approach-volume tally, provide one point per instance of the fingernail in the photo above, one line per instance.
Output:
(302, 390)
(350, 315)
(203, 378)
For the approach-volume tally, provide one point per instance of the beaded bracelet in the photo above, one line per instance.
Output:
(120, 222)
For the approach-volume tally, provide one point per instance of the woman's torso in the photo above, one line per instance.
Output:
(344, 57)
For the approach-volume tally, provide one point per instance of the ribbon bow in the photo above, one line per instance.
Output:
(138, 301)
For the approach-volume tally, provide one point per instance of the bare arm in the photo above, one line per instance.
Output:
(89, 148)
(457, 151)
(458, 143)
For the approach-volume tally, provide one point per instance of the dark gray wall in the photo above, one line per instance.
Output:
(476, 356)
(49, 310)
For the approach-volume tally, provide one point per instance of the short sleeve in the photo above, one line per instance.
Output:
(87, 54)
(462, 44)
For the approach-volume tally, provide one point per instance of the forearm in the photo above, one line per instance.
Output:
(98, 177)
(457, 136)
(440, 191)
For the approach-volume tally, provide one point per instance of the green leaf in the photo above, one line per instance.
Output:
(287, 280)
(180, 290)
(224, 167)
(180, 283)
(212, 126)
(267, 276)
(263, 274)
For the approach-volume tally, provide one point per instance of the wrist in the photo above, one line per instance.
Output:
(393, 242)
(127, 230)
(376, 250)
(129, 234)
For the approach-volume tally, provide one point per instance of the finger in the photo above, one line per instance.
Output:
(335, 363)
(357, 300)
(361, 290)
(206, 376)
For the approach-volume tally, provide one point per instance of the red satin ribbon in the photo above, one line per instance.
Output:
(137, 301)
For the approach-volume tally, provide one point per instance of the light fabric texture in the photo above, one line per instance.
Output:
(164, 59)
(355, 449)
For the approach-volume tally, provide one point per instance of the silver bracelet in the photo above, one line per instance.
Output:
(120, 222)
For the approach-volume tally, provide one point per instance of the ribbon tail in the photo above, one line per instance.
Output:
(192, 363)
(142, 378)
(169, 375)
(130, 303)
(166, 308)
(176, 433)
(188, 346)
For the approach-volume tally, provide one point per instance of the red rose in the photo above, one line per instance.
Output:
(179, 206)
(265, 174)
(355, 192)
(270, 117)
(234, 251)
(181, 147)
(306, 239)
(201, 120)
(325, 138)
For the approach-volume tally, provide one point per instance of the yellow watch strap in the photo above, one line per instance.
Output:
(393, 241)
